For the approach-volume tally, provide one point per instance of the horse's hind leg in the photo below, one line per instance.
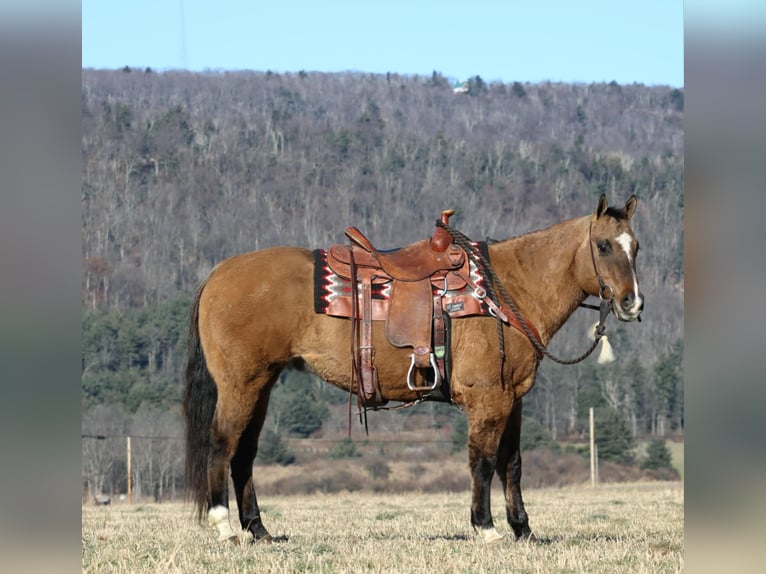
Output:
(242, 473)
(233, 438)
(509, 471)
(218, 481)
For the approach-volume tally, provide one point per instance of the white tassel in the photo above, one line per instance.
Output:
(607, 353)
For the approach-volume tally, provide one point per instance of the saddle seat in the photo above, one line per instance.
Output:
(396, 266)
(415, 262)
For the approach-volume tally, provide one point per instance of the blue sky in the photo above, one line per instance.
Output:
(528, 41)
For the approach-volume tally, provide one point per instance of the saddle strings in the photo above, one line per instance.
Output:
(475, 254)
(356, 359)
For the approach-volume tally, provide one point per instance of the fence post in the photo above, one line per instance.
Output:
(130, 495)
(592, 450)
(596, 457)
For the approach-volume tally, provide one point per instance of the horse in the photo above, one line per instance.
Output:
(254, 315)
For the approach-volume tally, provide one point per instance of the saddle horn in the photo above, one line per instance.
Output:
(442, 239)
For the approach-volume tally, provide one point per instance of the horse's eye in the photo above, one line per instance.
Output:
(604, 247)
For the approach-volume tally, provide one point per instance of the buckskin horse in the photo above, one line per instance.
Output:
(255, 314)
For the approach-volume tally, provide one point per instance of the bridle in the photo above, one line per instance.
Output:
(602, 286)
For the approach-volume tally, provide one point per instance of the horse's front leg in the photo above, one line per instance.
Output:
(483, 438)
(509, 471)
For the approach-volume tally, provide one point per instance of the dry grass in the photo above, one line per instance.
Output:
(612, 528)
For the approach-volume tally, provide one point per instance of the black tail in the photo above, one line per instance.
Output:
(200, 399)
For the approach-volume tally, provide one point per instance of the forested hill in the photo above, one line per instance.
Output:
(181, 170)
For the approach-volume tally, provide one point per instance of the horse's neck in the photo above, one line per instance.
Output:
(539, 271)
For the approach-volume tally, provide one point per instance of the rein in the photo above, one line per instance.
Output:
(606, 301)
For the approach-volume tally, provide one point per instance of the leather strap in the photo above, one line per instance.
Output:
(440, 336)
(366, 352)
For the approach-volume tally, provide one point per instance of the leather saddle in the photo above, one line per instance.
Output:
(419, 275)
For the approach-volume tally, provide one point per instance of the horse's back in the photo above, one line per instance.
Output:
(252, 305)
(255, 273)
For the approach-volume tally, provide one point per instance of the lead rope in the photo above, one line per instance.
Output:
(475, 254)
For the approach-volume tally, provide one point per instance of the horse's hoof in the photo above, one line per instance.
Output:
(233, 539)
(265, 539)
(529, 538)
(490, 535)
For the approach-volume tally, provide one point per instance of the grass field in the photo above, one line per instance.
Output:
(611, 528)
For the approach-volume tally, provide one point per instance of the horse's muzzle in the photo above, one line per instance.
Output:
(629, 307)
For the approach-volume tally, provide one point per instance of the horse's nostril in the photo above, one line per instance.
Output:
(627, 301)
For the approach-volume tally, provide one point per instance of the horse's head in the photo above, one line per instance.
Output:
(613, 250)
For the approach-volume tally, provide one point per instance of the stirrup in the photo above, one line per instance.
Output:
(411, 371)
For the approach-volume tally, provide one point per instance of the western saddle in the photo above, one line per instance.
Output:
(418, 276)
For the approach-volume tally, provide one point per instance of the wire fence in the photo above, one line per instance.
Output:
(132, 467)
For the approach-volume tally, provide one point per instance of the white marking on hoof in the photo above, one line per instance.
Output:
(490, 535)
(218, 517)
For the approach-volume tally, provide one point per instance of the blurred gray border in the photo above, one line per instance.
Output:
(725, 241)
(40, 246)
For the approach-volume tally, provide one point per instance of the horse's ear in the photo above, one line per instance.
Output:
(630, 206)
(601, 207)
